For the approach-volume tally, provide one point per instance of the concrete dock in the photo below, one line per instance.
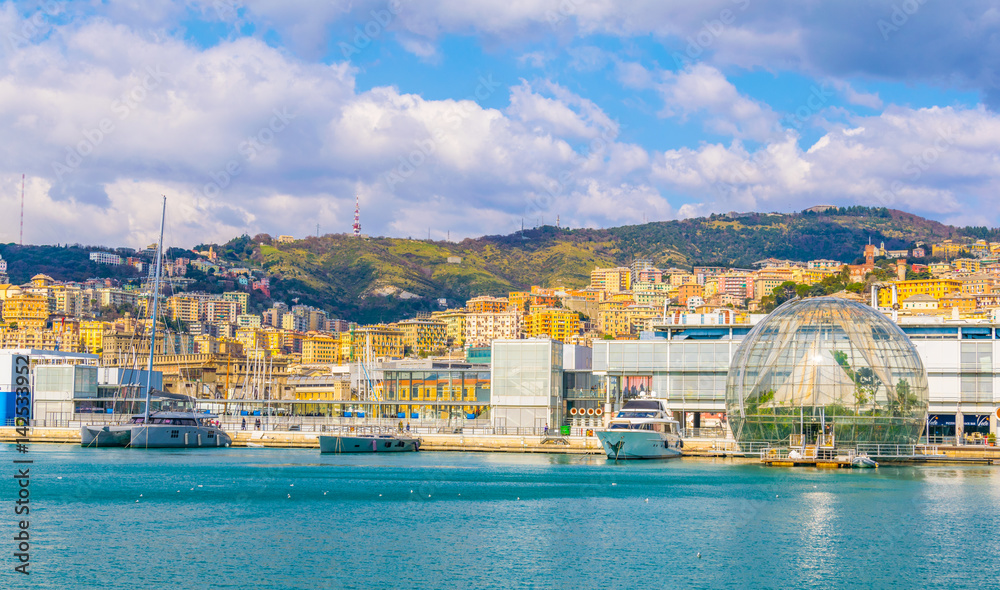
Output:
(577, 445)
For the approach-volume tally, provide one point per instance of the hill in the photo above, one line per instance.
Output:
(385, 279)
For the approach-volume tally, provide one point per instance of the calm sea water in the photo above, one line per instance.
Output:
(262, 518)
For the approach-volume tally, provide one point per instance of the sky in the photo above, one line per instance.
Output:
(451, 119)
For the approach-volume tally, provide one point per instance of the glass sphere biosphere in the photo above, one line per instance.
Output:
(826, 371)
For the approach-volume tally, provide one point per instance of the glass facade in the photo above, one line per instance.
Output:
(688, 370)
(827, 370)
(527, 378)
(437, 394)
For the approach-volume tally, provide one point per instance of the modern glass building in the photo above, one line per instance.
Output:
(827, 371)
(527, 384)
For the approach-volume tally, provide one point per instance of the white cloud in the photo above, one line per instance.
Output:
(702, 89)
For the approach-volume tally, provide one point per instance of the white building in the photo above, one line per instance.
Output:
(106, 258)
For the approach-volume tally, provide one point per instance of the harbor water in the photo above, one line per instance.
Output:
(268, 518)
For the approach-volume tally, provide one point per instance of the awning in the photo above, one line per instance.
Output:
(941, 420)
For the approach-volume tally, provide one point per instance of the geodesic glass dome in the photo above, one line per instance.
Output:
(829, 371)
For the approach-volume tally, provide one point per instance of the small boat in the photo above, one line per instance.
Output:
(642, 429)
(863, 462)
(375, 443)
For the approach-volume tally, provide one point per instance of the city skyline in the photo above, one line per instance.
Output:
(460, 121)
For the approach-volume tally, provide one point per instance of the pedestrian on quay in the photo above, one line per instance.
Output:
(400, 427)
(256, 424)
(244, 424)
(407, 426)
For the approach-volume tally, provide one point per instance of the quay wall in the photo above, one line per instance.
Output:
(695, 447)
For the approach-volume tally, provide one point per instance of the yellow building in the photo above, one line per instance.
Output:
(422, 336)
(946, 249)
(557, 324)
(382, 342)
(936, 288)
(92, 336)
(454, 320)
(977, 284)
(966, 265)
(611, 280)
(27, 310)
(321, 349)
(518, 301)
(183, 308)
(65, 339)
(486, 304)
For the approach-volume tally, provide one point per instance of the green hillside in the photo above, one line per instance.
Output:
(385, 279)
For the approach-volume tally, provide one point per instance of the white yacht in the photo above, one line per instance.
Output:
(642, 429)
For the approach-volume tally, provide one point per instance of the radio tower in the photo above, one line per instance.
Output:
(21, 240)
(357, 216)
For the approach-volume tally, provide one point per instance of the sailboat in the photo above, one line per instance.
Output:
(368, 390)
(180, 428)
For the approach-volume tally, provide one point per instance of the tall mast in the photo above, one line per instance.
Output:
(22, 211)
(156, 299)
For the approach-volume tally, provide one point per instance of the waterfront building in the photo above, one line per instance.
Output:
(689, 364)
(526, 384)
(436, 390)
(826, 371)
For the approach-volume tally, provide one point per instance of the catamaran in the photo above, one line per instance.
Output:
(165, 428)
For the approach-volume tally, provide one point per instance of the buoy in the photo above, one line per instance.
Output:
(599, 411)
(590, 411)
(572, 411)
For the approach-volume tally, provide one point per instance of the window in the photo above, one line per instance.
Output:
(175, 433)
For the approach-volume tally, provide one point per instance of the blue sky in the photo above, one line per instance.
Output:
(464, 118)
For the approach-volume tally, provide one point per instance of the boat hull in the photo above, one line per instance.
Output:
(640, 444)
(105, 436)
(171, 436)
(367, 444)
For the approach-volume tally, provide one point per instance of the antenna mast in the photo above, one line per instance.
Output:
(357, 215)
(21, 242)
